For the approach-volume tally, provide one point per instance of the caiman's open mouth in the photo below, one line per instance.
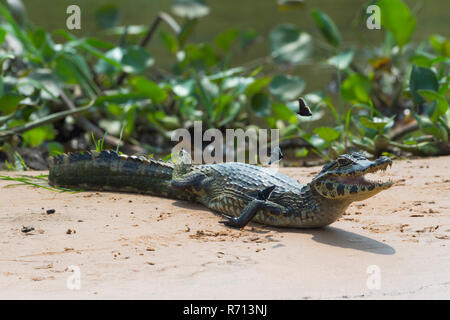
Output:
(348, 180)
(359, 178)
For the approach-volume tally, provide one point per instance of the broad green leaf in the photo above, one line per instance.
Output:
(327, 133)
(55, 148)
(422, 79)
(149, 88)
(427, 60)
(247, 37)
(260, 104)
(342, 60)
(201, 56)
(435, 129)
(283, 112)
(136, 60)
(133, 59)
(225, 39)
(356, 88)
(397, 18)
(441, 106)
(286, 87)
(231, 112)
(440, 44)
(375, 123)
(289, 45)
(9, 103)
(36, 136)
(73, 69)
(257, 86)
(327, 27)
(317, 142)
(184, 88)
(190, 9)
(107, 16)
(106, 67)
(170, 41)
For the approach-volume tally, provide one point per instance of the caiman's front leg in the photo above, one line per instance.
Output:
(250, 210)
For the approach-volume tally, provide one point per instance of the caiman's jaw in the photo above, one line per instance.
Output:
(344, 178)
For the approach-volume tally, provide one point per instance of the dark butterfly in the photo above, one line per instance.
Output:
(304, 109)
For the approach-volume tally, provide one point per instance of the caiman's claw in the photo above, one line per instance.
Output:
(250, 210)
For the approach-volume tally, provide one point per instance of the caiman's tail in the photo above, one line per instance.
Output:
(109, 171)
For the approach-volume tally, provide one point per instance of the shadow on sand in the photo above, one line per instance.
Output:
(346, 239)
(328, 235)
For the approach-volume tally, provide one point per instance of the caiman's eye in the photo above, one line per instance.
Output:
(343, 161)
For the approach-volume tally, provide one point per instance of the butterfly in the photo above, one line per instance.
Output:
(276, 156)
(304, 109)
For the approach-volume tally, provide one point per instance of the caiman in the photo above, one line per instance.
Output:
(239, 191)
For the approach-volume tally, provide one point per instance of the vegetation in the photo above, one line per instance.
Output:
(391, 98)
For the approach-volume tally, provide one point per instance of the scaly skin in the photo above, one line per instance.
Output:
(228, 188)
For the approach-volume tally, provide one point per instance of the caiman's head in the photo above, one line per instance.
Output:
(343, 178)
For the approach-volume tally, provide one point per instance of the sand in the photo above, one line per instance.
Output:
(392, 246)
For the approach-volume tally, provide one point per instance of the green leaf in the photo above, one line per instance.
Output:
(107, 16)
(283, 112)
(440, 44)
(225, 39)
(327, 27)
(327, 133)
(231, 112)
(257, 86)
(422, 79)
(170, 41)
(247, 37)
(289, 45)
(149, 88)
(356, 88)
(260, 104)
(286, 87)
(120, 98)
(2, 35)
(376, 123)
(435, 129)
(190, 9)
(55, 148)
(136, 60)
(397, 18)
(73, 69)
(107, 67)
(36, 136)
(441, 106)
(9, 103)
(342, 60)
(201, 56)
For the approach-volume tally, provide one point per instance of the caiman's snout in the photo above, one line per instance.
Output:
(344, 178)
